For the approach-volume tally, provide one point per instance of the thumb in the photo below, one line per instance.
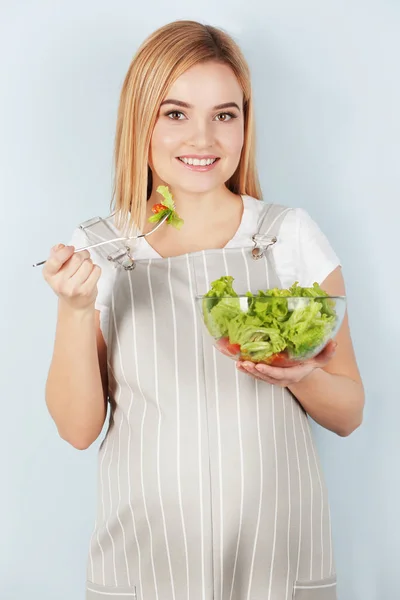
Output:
(57, 247)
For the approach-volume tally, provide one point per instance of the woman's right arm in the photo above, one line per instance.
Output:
(76, 388)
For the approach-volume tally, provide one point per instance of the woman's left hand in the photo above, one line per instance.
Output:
(287, 376)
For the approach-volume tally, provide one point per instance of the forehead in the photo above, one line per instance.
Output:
(207, 84)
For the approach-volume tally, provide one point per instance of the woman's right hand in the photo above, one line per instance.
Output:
(73, 277)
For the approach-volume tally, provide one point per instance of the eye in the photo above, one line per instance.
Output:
(226, 114)
(174, 112)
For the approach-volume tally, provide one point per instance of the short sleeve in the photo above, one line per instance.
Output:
(317, 258)
(303, 252)
(106, 282)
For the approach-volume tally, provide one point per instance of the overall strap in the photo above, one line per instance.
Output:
(268, 230)
(100, 230)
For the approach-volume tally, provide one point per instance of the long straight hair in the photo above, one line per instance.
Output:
(163, 57)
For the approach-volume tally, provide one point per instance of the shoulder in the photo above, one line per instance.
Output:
(297, 225)
(258, 214)
(252, 211)
(255, 211)
(305, 232)
(303, 252)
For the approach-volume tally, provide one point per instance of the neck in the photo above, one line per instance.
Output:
(210, 220)
(195, 206)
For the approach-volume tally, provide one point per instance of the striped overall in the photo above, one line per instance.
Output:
(209, 483)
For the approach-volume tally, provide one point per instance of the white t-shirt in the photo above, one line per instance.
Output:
(302, 252)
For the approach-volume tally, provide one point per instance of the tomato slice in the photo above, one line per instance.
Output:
(281, 359)
(224, 346)
(158, 208)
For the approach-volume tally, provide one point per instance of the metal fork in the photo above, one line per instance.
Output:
(121, 239)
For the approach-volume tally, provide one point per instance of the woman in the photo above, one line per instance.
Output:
(209, 481)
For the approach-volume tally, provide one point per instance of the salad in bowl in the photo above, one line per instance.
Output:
(279, 327)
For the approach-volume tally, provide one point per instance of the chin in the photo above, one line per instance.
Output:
(198, 188)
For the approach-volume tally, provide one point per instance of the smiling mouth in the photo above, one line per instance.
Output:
(197, 162)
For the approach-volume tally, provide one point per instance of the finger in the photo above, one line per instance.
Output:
(287, 373)
(257, 375)
(59, 255)
(74, 283)
(71, 267)
(57, 247)
(277, 373)
(247, 371)
(91, 282)
(249, 368)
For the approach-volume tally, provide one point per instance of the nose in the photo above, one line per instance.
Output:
(201, 135)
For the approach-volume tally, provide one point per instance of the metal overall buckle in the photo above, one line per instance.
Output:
(261, 243)
(123, 257)
(99, 231)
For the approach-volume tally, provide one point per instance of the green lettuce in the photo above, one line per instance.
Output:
(173, 218)
(226, 303)
(265, 327)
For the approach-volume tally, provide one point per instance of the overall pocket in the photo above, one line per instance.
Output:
(101, 592)
(322, 589)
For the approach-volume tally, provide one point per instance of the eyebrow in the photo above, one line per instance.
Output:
(186, 105)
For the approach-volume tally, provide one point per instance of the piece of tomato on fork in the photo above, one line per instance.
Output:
(158, 208)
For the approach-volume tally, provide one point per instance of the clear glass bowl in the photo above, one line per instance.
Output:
(281, 331)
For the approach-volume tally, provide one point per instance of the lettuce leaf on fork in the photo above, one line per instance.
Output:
(167, 206)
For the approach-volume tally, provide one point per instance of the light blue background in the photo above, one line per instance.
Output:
(327, 95)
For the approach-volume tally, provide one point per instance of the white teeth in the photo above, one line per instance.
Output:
(196, 162)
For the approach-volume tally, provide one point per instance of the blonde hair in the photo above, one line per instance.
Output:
(160, 60)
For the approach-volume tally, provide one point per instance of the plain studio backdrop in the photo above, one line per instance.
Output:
(327, 97)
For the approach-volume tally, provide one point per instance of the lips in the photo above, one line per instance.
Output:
(213, 158)
(198, 156)
(206, 167)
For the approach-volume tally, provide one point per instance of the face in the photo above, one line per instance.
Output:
(200, 120)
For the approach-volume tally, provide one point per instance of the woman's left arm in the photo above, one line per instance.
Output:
(328, 387)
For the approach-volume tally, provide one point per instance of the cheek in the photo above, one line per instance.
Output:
(164, 138)
(161, 146)
(232, 141)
